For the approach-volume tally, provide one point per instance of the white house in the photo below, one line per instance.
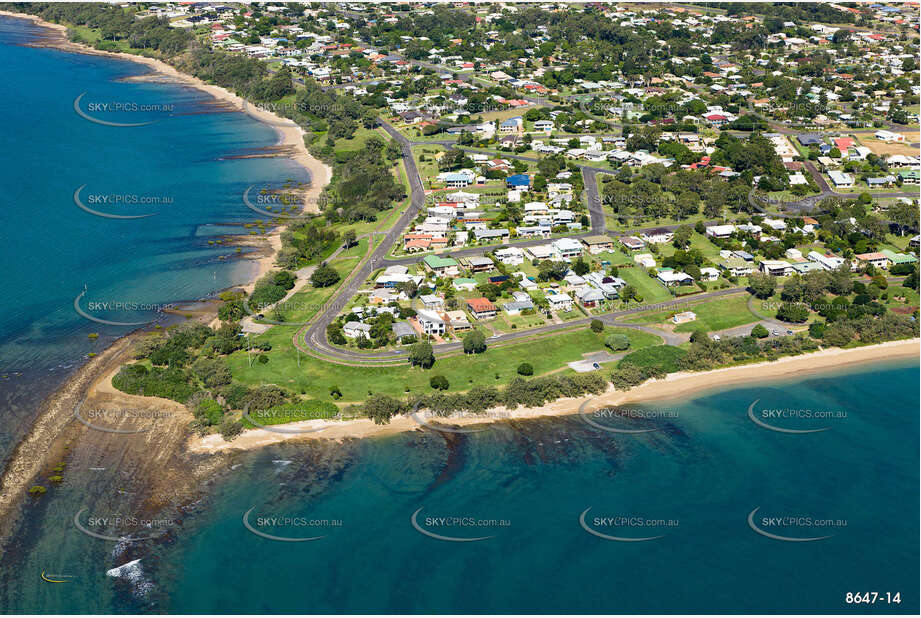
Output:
(720, 231)
(566, 248)
(430, 322)
(778, 268)
(353, 330)
(559, 302)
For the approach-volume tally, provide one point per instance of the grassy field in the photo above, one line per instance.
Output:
(720, 314)
(650, 289)
(711, 315)
(496, 366)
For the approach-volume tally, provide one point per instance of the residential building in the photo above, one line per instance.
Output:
(481, 308)
(598, 244)
(441, 266)
(778, 268)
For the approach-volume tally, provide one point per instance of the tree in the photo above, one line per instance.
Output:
(349, 238)
(580, 267)
(759, 331)
(762, 285)
(324, 276)
(421, 354)
(597, 326)
(474, 342)
(617, 342)
(525, 369)
(797, 313)
(439, 382)
(838, 334)
(682, 236)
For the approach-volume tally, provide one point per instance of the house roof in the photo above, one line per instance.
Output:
(436, 261)
(480, 304)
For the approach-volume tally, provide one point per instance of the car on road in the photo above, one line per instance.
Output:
(775, 332)
(596, 366)
(789, 332)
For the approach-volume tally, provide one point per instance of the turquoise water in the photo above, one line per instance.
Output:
(51, 248)
(702, 470)
(700, 473)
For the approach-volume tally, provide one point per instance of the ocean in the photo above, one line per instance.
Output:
(552, 515)
(182, 169)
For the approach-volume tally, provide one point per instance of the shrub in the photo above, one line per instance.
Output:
(525, 369)
(597, 326)
(439, 383)
(617, 342)
(759, 331)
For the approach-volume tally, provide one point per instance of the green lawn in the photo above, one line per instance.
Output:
(315, 377)
(719, 314)
(650, 289)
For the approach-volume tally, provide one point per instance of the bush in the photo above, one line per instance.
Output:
(209, 412)
(474, 342)
(525, 369)
(759, 331)
(597, 326)
(439, 383)
(617, 342)
(230, 429)
(324, 276)
(796, 313)
(817, 330)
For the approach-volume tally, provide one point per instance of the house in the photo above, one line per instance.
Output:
(645, 260)
(518, 181)
(598, 244)
(881, 181)
(720, 231)
(431, 322)
(441, 266)
(512, 125)
(777, 268)
(517, 306)
(657, 236)
(684, 317)
(910, 177)
(708, 273)
(464, 284)
(500, 235)
(540, 252)
(481, 308)
(607, 285)
(478, 264)
(402, 329)
(889, 136)
(457, 180)
(589, 297)
(841, 179)
(632, 243)
(544, 126)
(354, 330)
(828, 262)
(458, 320)
(511, 256)
(736, 267)
(671, 278)
(559, 302)
(432, 301)
(899, 258)
(566, 248)
(877, 259)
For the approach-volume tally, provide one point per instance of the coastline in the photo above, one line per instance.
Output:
(54, 420)
(290, 134)
(673, 385)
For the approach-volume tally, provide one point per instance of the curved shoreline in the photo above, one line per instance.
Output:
(55, 413)
(290, 134)
(681, 384)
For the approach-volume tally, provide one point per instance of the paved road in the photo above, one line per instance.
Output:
(593, 199)
(316, 332)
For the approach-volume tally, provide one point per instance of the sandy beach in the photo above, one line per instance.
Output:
(681, 384)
